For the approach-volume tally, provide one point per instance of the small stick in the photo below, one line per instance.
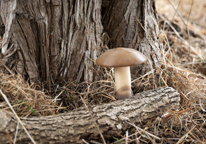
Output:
(10, 140)
(17, 127)
(7, 68)
(144, 131)
(182, 21)
(186, 135)
(188, 22)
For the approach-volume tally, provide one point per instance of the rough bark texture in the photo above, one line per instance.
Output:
(74, 126)
(58, 40)
(54, 40)
(121, 20)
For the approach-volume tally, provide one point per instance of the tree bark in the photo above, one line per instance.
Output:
(57, 41)
(133, 24)
(54, 40)
(79, 124)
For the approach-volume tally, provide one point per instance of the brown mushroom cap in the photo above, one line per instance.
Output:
(121, 57)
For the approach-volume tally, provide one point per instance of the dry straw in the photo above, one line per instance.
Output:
(183, 68)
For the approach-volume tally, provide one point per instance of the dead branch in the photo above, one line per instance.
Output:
(72, 127)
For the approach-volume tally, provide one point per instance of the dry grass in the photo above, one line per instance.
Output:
(183, 68)
(25, 100)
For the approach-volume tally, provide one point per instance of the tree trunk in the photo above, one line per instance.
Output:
(59, 40)
(79, 124)
(55, 40)
(133, 23)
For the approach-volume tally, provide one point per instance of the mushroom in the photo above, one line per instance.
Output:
(121, 59)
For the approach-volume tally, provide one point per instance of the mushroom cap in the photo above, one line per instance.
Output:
(121, 57)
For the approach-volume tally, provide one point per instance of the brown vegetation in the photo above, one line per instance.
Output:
(183, 68)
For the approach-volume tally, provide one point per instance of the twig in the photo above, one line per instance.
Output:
(183, 137)
(144, 131)
(94, 142)
(150, 72)
(123, 139)
(7, 68)
(188, 22)
(10, 140)
(17, 128)
(126, 137)
(182, 21)
(55, 99)
(85, 141)
(172, 17)
(7, 101)
(190, 12)
(175, 13)
(201, 106)
(196, 138)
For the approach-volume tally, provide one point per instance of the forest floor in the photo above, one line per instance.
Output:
(183, 42)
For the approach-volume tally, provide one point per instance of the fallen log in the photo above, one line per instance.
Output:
(79, 124)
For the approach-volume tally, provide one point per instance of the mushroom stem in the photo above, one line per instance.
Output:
(123, 82)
